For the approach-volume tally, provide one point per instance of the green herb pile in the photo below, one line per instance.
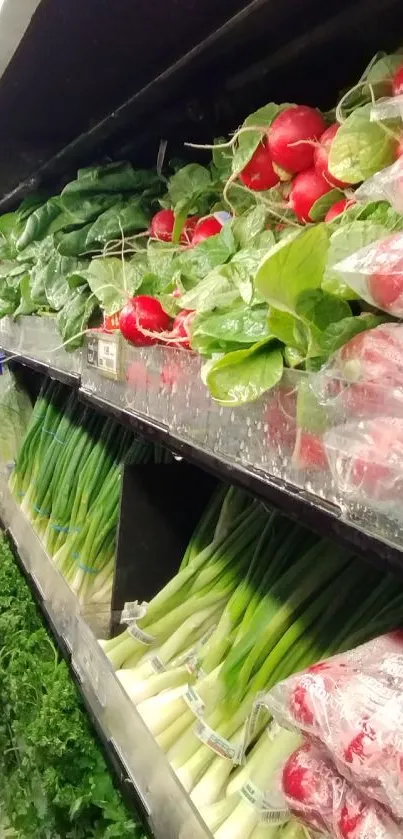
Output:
(54, 783)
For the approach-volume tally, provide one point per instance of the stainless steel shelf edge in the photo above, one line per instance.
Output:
(171, 814)
(15, 17)
(35, 342)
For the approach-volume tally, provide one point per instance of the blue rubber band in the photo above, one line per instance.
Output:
(86, 569)
(60, 529)
(45, 513)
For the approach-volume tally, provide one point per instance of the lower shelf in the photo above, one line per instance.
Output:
(168, 810)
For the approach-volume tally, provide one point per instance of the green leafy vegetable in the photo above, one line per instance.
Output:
(347, 239)
(294, 265)
(244, 375)
(361, 147)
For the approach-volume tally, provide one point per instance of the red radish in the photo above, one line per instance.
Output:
(371, 460)
(287, 134)
(374, 356)
(397, 82)
(205, 228)
(259, 174)
(300, 706)
(189, 229)
(181, 329)
(139, 317)
(307, 785)
(162, 225)
(306, 188)
(386, 288)
(362, 745)
(321, 155)
(339, 207)
(309, 452)
(137, 375)
(351, 818)
(399, 148)
(280, 418)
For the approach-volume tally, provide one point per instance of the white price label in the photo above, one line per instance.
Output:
(194, 701)
(140, 635)
(107, 356)
(133, 610)
(157, 664)
(215, 742)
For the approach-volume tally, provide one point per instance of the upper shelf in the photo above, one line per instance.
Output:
(90, 81)
(159, 391)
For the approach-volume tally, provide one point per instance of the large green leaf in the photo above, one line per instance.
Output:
(196, 263)
(189, 183)
(244, 375)
(74, 317)
(38, 223)
(337, 334)
(122, 219)
(113, 281)
(248, 141)
(289, 329)
(361, 147)
(243, 325)
(247, 226)
(112, 178)
(216, 291)
(26, 305)
(293, 266)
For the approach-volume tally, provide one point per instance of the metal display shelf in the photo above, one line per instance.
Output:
(159, 392)
(145, 774)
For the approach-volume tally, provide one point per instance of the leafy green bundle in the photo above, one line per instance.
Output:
(53, 777)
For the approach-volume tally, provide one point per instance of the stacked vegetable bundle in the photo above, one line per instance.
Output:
(53, 777)
(253, 601)
(346, 778)
(67, 479)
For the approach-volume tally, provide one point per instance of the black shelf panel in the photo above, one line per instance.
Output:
(325, 519)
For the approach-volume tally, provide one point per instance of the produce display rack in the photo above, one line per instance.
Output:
(186, 431)
(187, 78)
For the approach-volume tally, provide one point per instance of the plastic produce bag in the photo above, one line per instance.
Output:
(376, 273)
(388, 108)
(15, 412)
(323, 800)
(385, 185)
(364, 378)
(353, 705)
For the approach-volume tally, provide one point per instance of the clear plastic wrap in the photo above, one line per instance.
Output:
(388, 108)
(15, 413)
(386, 185)
(353, 705)
(324, 801)
(376, 273)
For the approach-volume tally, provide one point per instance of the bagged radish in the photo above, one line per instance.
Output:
(353, 705)
(366, 461)
(376, 273)
(386, 185)
(324, 801)
(362, 380)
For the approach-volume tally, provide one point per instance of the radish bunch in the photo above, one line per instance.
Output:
(296, 149)
(325, 801)
(353, 705)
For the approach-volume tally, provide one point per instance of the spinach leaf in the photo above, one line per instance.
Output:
(123, 218)
(244, 375)
(216, 291)
(112, 178)
(26, 305)
(38, 223)
(74, 317)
